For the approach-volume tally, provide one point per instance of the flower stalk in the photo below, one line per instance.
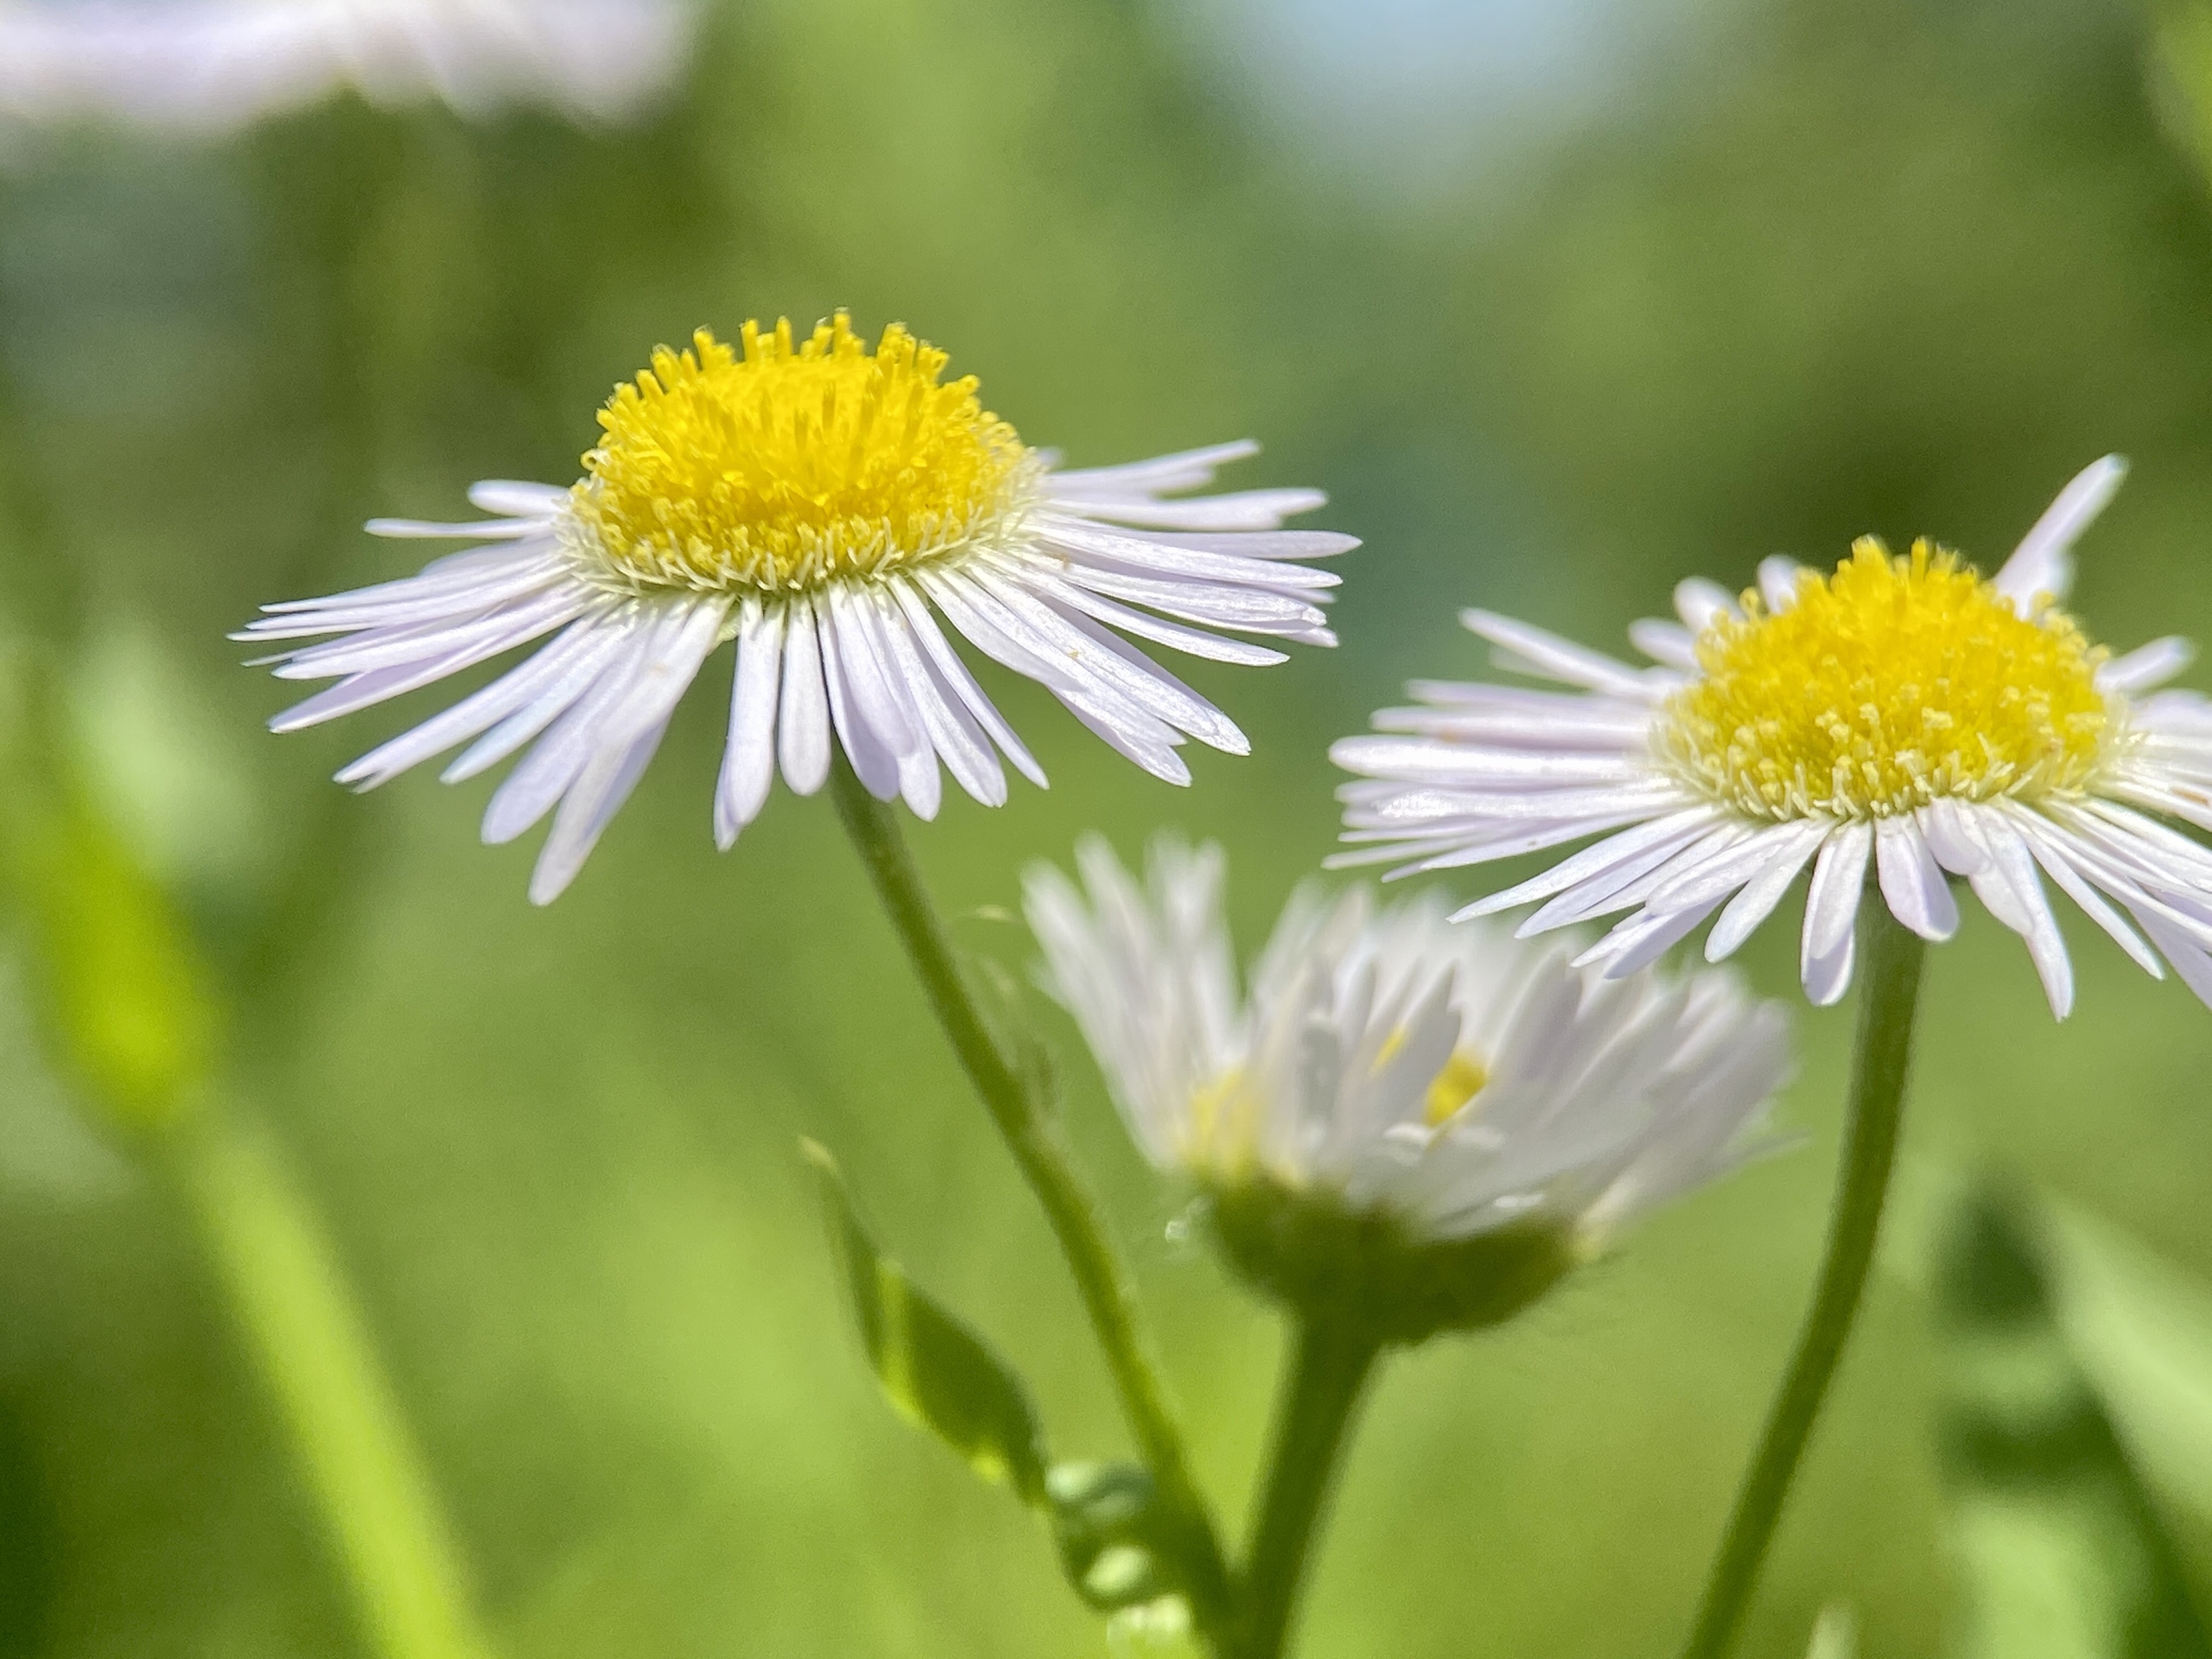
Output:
(1014, 1097)
(1888, 1002)
(304, 1332)
(1331, 1361)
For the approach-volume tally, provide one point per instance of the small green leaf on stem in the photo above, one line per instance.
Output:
(1116, 1543)
(1154, 1630)
(936, 1373)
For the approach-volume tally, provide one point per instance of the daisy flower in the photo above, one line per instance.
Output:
(1432, 1115)
(1903, 715)
(216, 66)
(822, 508)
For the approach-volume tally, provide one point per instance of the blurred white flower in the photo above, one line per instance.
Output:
(210, 67)
(1451, 1082)
(822, 506)
(1904, 718)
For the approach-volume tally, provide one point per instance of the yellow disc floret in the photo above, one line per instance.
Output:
(1884, 686)
(793, 464)
(1463, 1078)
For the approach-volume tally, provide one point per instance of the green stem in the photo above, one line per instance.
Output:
(1328, 1371)
(1033, 1137)
(1889, 996)
(306, 1335)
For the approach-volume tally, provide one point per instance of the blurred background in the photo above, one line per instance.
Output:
(1561, 301)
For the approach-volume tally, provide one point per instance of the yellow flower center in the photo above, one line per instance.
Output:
(1462, 1079)
(793, 464)
(1890, 682)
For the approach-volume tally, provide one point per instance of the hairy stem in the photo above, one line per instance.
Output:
(1889, 998)
(1032, 1135)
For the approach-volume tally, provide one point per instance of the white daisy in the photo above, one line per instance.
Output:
(1904, 715)
(215, 66)
(1452, 1084)
(824, 507)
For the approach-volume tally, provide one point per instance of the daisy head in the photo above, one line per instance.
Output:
(1432, 1122)
(216, 66)
(1902, 718)
(829, 510)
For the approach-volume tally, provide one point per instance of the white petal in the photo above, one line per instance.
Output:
(1831, 905)
(1826, 978)
(1697, 601)
(1759, 896)
(1778, 576)
(920, 783)
(587, 642)
(2051, 845)
(953, 674)
(1661, 837)
(511, 498)
(2146, 666)
(1188, 469)
(546, 773)
(2046, 946)
(1665, 642)
(1942, 823)
(873, 757)
(1538, 651)
(619, 637)
(1911, 881)
(1248, 509)
(2043, 563)
(749, 758)
(802, 740)
(587, 811)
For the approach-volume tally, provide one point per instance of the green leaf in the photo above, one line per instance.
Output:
(127, 1002)
(2181, 60)
(2142, 1327)
(30, 1544)
(1154, 1630)
(1114, 1541)
(2063, 1552)
(936, 1372)
(1835, 1635)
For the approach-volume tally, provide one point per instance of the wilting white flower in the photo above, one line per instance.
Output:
(824, 507)
(1904, 714)
(215, 66)
(1449, 1082)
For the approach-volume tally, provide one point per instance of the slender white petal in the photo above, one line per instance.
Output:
(802, 740)
(1777, 581)
(748, 759)
(1911, 881)
(2044, 562)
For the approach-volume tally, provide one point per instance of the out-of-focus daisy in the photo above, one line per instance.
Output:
(824, 507)
(215, 66)
(1442, 1119)
(1904, 715)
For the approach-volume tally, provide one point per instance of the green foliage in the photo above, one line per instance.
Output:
(30, 1543)
(1116, 1544)
(936, 1373)
(1835, 1635)
(2061, 1550)
(125, 996)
